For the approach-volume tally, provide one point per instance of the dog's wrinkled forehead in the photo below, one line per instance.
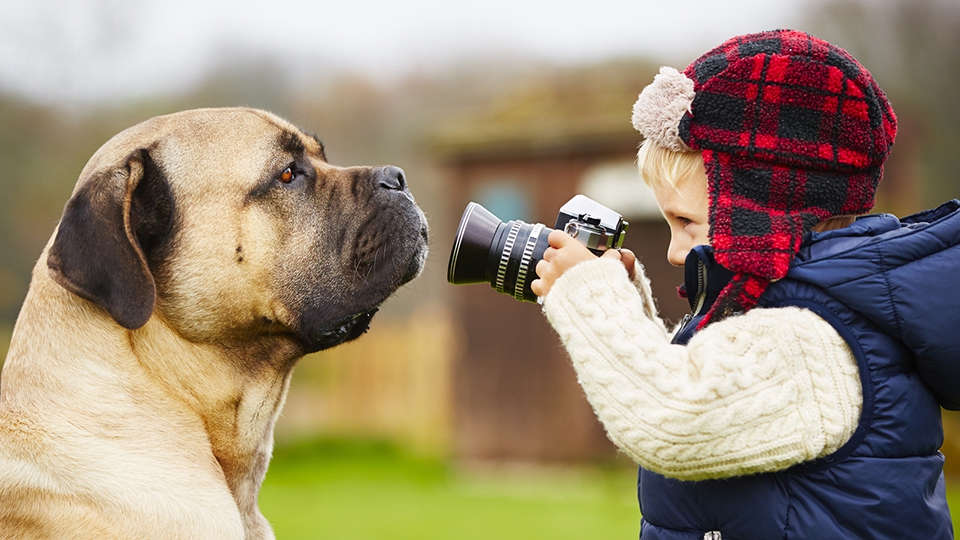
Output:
(228, 143)
(295, 142)
(238, 147)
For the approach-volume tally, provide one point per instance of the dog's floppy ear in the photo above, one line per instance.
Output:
(116, 216)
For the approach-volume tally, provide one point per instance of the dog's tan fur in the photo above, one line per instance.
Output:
(135, 416)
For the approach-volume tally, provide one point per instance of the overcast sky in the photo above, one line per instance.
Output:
(114, 49)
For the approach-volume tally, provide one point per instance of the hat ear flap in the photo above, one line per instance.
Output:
(98, 253)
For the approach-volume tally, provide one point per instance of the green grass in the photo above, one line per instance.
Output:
(357, 491)
(953, 501)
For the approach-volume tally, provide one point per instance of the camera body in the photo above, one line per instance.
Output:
(592, 224)
(505, 255)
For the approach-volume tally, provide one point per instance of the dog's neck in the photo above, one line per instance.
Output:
(236, 391)
(220, 400)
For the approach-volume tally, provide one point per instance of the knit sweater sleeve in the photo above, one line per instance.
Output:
(759, 392)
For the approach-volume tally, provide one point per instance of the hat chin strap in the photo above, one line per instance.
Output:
(739, 296)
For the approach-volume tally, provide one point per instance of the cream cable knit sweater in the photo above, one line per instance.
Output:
(754, 393)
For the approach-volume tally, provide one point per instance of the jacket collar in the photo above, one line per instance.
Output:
(703, 278)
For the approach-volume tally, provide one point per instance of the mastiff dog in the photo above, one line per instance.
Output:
(200, 256)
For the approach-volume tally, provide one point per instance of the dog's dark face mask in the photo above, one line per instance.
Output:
(355, 236)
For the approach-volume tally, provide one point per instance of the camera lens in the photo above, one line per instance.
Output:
(505, 255)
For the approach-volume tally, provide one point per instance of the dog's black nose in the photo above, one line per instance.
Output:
(390, 177)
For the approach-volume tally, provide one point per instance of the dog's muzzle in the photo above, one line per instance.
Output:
(343, 330)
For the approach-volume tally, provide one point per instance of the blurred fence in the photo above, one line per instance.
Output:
(393, 383)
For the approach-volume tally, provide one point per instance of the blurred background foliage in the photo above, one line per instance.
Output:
(397, 388)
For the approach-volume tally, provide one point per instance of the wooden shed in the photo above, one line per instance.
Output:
(515, 394)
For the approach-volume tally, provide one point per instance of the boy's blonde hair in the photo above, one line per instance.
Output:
(660, 168)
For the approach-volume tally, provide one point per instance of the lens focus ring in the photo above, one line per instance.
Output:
(505, 255)
(525, 261)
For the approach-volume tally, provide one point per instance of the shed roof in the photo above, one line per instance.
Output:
(578, 108)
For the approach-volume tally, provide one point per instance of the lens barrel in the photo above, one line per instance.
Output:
(505, 255)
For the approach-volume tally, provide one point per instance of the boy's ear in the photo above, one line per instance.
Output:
(117, 213)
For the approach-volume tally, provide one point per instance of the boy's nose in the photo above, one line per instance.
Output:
(676, 253)
(678, 249)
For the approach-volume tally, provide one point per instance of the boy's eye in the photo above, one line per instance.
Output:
(684, 221)
(286, 176)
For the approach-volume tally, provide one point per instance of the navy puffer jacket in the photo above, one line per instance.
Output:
(886, 286)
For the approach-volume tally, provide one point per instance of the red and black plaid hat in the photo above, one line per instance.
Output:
(792, 130)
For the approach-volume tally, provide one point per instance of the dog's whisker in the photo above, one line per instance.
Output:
(356, 270)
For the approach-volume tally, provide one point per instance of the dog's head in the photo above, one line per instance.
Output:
(230, 224)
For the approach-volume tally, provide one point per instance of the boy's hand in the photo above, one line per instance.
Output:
(564, 253)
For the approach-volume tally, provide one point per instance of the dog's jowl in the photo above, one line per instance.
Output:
(200, 256)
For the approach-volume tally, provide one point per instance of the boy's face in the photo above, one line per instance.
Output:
(685, 210)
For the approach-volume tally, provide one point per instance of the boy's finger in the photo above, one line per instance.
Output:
(541, 269)
(558, 238)
(612, 254)
(535, 287)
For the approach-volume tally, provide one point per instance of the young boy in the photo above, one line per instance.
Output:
(802, 397)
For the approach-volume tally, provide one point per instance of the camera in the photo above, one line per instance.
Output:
(505, 255)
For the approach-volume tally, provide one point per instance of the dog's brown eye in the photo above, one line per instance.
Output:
(287, 176)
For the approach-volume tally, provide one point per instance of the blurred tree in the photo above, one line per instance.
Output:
(41, 153)
(912, 47)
